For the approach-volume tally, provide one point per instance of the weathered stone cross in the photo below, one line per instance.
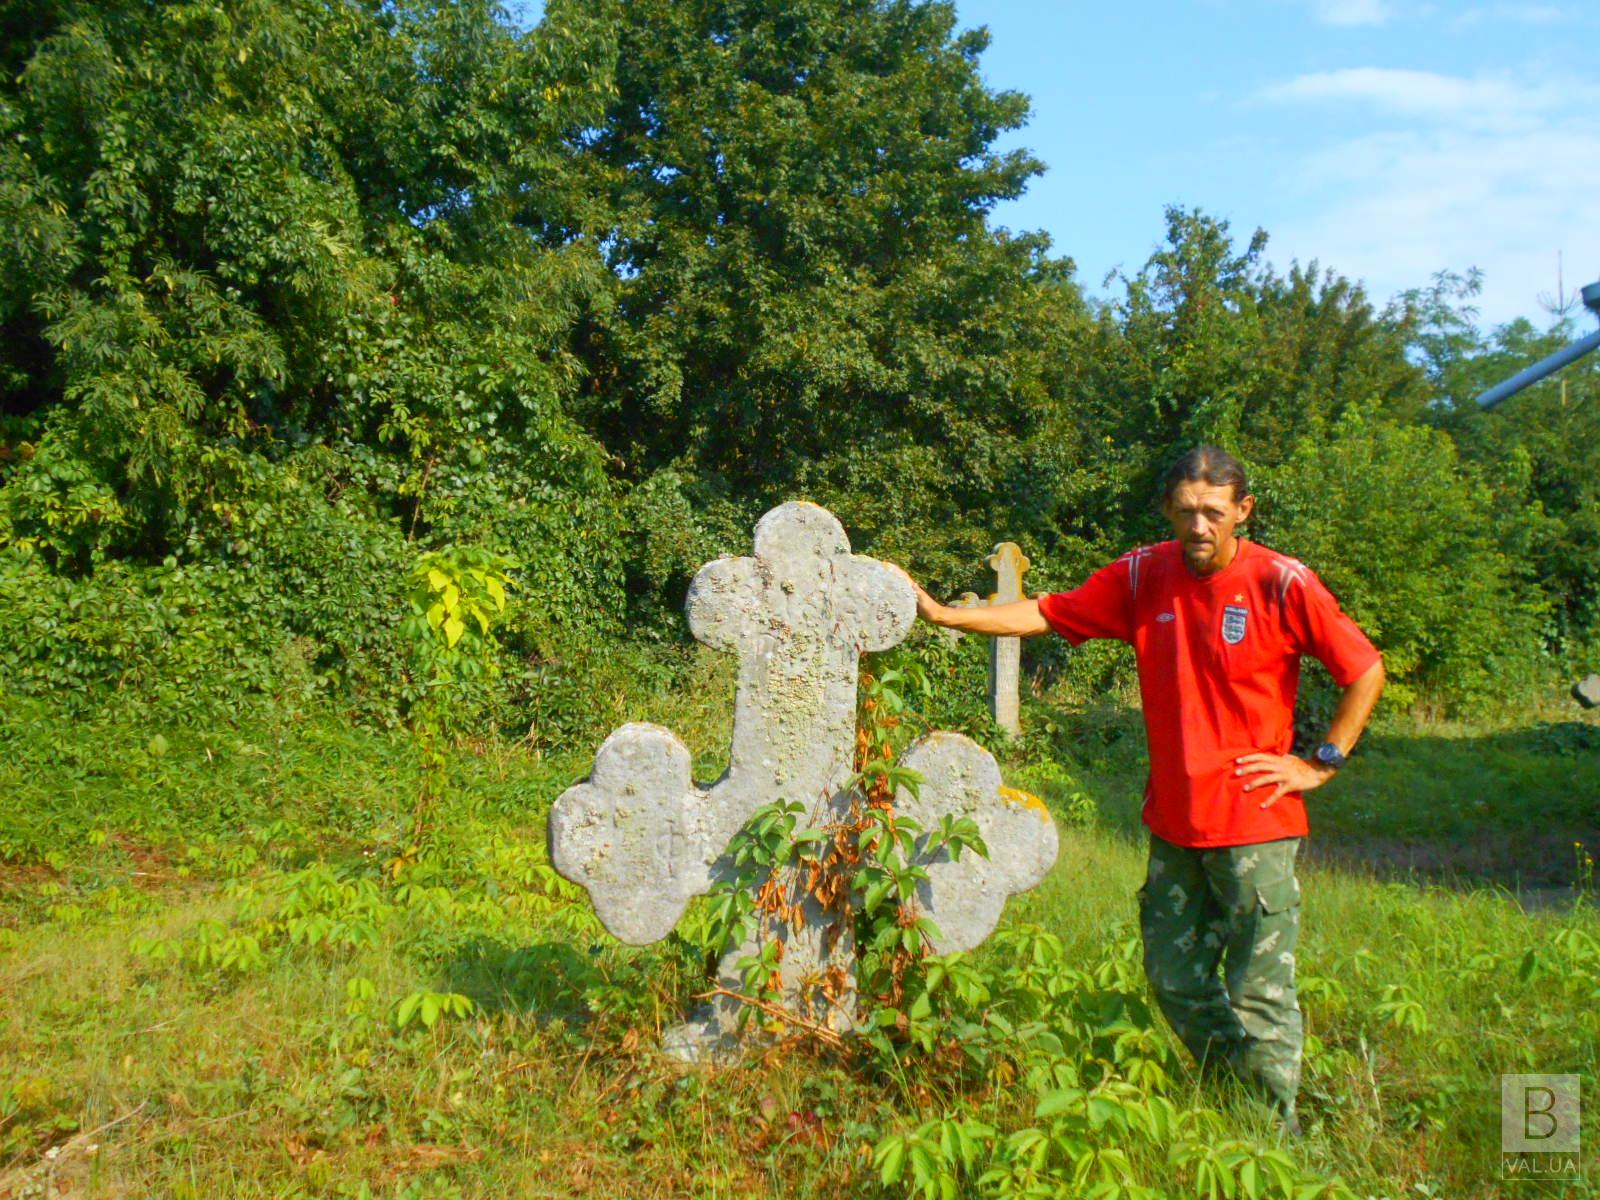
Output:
(1009, 564)
(643, 839)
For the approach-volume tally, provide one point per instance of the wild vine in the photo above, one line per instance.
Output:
(858, 873)
(458, 596)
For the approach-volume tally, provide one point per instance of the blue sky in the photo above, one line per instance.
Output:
(1383, 138)
(1387, 139)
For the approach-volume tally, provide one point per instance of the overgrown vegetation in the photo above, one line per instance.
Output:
(209, 945)
(374, 375)
(292, 292)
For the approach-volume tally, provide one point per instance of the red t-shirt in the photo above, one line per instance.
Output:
(1219, 664)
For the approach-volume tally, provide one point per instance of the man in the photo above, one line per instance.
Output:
(1218, 625)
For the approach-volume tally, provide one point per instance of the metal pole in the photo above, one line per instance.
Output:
(1539, 370)
(1567, 354)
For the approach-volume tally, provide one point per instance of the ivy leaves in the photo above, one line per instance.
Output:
(452, 587)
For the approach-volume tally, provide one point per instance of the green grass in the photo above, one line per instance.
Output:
(131, 1047)
(1480, 802)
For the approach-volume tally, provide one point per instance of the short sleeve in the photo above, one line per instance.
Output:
(1323, 630)
(1102, 607)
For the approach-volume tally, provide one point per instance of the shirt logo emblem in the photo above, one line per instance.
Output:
(1165, 617)
(1234, 620)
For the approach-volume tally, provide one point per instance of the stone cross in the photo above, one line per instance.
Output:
(1009, 564)
(1005, 653)
(643, 840)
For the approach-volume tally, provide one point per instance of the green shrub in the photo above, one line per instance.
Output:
(1418, 551)
(275, 578)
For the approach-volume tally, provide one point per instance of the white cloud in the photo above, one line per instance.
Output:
(1478, 99)
(1513, 14)
(1351, 12)
(1493, 172)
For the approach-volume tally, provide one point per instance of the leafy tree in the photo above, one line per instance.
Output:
(286, 257)
(811, 299)
(1416, 550)
(1209, 344)
(1536, 450)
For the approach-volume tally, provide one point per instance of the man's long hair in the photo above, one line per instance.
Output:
(1206, 464)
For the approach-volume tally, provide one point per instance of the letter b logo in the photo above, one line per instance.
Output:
(1537, 1121)
(1539, 1114)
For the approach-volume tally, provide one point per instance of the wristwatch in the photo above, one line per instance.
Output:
(1329, 755)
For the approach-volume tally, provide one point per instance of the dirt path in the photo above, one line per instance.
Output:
(1540, 866)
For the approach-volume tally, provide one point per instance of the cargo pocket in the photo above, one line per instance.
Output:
(1278, 895)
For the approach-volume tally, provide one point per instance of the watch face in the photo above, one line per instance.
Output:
(1329, 753)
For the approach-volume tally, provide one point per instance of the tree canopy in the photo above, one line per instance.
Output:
(292, 291)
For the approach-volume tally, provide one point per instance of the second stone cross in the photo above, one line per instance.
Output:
(1009, 564)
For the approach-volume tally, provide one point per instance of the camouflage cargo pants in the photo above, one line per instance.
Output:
(1237, 908)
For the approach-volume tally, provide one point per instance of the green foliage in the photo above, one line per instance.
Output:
(953, 683)
(427, 1007)
(259, 254)
(811, 301)
(1208, 344)
(1420, 553)
(291, 293)
(457, 597)
(285, 286)
(1105, 1088)
(1535, 449)
(286, 594)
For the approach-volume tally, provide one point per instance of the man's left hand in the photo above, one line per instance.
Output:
(1289, 773)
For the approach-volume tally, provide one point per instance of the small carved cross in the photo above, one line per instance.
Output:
(1009, 564)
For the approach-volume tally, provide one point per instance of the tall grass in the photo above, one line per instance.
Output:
(147, 1048)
